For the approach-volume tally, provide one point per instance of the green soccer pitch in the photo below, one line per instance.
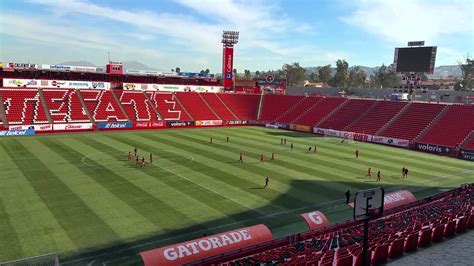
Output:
(79, 196)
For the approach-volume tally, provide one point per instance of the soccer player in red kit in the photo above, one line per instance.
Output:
(241, 158)
(357, 153)
(273, 156)
(261, 158)
(266, 182)
(151, 157)
(129, 156)
(379, 176)
(369, 173)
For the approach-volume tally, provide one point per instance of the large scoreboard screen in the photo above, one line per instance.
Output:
(415, 59)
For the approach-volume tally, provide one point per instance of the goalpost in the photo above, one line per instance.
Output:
(339, 135)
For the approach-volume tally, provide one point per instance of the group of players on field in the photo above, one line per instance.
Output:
(141, 161)
(138, 161)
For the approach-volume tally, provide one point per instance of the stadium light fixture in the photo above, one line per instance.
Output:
(230, 38)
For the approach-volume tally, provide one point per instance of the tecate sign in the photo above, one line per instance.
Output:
(432, 148)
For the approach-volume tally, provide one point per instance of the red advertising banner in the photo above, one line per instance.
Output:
(149, 124)
(228, 66)
(208, 246)
(315, 219)
(395, 199)
(40, 127)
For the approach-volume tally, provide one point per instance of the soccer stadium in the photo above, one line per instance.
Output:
(109, 165)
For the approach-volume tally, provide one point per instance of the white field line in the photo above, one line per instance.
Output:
(190, 180)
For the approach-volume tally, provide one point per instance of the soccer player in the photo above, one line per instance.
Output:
(315, 149)
(151, 157)
(291, 146)
(135, 152)
(241, 158)
(273, 156)
(406, 172)
(284, 140)
(261, 158)
(281, 141)
(138, 161)
(403, 172)
(143, 161)
(348, 196)
(129, 156)
(210, 140)
(342, 141)
(379, 176)
(369, 173)
(227, 139)
(266, 182)
(309, 149)
(357, 153)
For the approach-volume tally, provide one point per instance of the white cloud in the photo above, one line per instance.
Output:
(410, 20)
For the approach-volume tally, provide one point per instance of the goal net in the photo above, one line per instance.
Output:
(339, 135)
(42, 260)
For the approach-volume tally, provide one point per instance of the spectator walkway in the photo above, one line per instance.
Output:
(457, 251)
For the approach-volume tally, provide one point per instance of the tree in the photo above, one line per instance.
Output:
(424, 77)
(236, 76)
(257, 74)
(177, 70)
(294, 73)
(247, 75)
(340, 78)
(467, 70)
(313, 77)
(324, 74)
(207, 71)
(385, 78)
(356, 78)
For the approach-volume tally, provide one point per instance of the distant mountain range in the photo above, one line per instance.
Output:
(440, 71)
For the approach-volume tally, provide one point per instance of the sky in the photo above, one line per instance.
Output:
(187, 33)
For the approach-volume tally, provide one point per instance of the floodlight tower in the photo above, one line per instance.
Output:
(229, 39)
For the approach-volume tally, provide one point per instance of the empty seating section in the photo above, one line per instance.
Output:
(412, 121)
(276, 105)
(470, 145)
(389, 236)
(216, 104)
(347, 114)
(64, 106)
(23, 107)
(244, 106)
(302, 107)
(102, 106)
(376, 118)
(167, 106)
(136, 105)
(453, 126)
(195, 105)
(324, 107)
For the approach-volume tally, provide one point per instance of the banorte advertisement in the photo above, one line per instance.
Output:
(227, 65)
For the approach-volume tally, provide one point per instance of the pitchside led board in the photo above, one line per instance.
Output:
(368, 204)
